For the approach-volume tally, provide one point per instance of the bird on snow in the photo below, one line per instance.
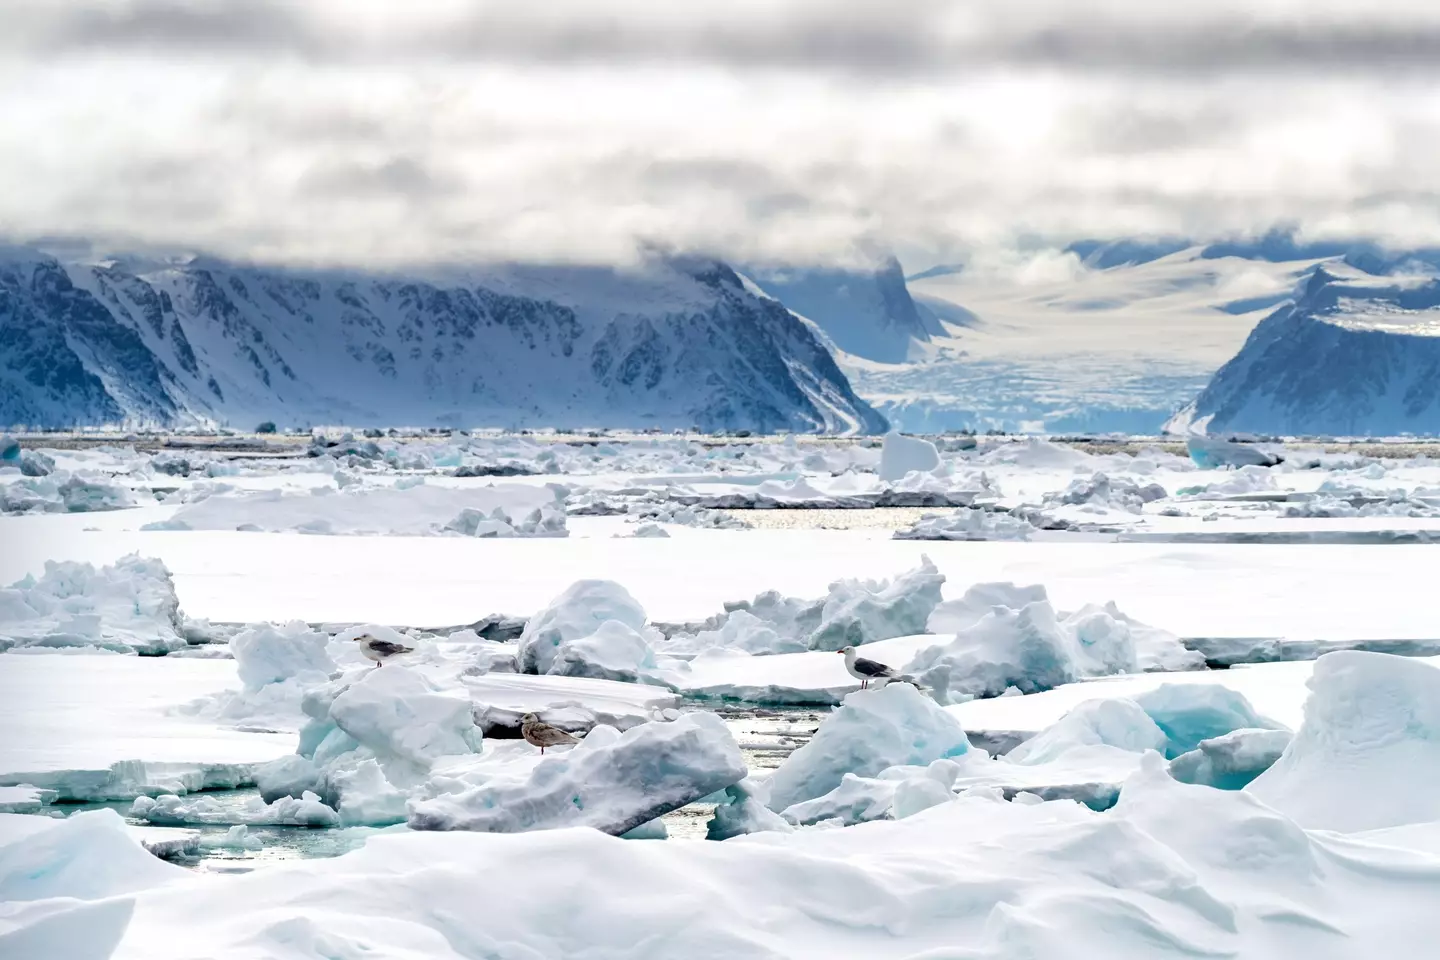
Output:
(380, 650)
(865, 670)
(540, 734)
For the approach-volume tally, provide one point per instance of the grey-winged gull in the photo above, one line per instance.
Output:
(380, 650)
(865, 670)
(540, 734)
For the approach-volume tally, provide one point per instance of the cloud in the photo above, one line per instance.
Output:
(370, 132)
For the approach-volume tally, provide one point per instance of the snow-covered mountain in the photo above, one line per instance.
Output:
(676, 344)
(867, 313)
(1356, 353)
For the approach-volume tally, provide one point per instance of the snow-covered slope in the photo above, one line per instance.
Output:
(1355, 354)
(867, 313)
(1103, 337)
(674, 344)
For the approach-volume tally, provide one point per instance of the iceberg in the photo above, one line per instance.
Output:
(871, 730)
(1211, 453)
(900, 455)
(611, 781)
(615, 651)
(1190, 713)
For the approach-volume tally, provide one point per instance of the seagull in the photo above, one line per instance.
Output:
(380, 650)
(866, 670)
(542, 735)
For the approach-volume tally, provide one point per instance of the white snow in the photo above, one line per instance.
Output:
(1366, 754)
(611, 781)
(574, 615)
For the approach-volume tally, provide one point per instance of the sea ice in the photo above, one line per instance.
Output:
(1118, 723)
(170, 810)
(1367, 753)
(743, 812)
(615, 651)
(129, 607)
(1190, 713)
(870, 730)
(611, 781)
(968, 523)
(86, 856)
(1210, 453)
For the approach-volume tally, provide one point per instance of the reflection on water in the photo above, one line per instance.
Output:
(766, 737)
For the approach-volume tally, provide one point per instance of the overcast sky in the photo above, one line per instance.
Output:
(377, 132)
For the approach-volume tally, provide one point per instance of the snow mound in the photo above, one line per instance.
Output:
(900, 455)
(1231, 761)
(575, 615)
(1190, 713)
(870, 731)
(968, 523)
(613, 782)
(895, 793)
(1367, 753)
(87, 856)
(129, 607)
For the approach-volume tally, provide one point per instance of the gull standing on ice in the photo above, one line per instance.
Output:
(380, 650)
(866, 670)
(542, 735)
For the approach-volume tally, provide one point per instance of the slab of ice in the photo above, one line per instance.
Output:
(968, 523)
(1366, 754)
(170, 810)
(87, 856)
(744, 812)
(111, 727)
(571, 703)
(900, 455)
(24, 798)
(613, 782)
(895, 793)
(1114, 723)
(870, 730)
(64, 492)
(1231, 761)
(129, 606)
(615, 651)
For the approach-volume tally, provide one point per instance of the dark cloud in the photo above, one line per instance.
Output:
(865, 37)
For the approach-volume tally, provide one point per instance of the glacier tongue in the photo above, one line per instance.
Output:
(671, 344)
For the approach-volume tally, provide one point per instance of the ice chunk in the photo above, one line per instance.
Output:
(857, 612)
(1192, 712)
(170, 810)
(615, 651)
(236, 838)
(1231, 761)
(1210, 453)
(654, 830)
(740, 631)
(130, 607)
(869, 731)
(1367, 753)
(1022, 648)
(289, 776)
(575, 614)
(400, 716)
(744, 812)
(614, 785)
(1117, 723)
(267, 654)
(897, 792)
(9, 449)
(367, 798)
(900, 455)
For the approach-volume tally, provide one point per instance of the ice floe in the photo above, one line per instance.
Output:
(129, 606)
